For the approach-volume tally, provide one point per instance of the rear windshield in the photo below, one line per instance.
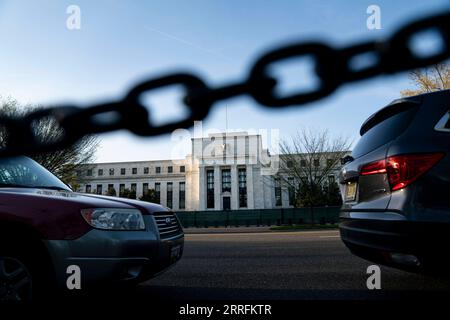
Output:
(383, 132)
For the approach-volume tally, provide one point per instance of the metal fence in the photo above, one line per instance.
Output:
(259, 217)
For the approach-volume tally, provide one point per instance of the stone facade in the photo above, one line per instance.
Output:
(224, 171)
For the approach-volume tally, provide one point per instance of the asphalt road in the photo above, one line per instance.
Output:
(288, 265)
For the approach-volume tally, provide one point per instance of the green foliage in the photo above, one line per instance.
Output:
(111, 192)
(149, 196)
(332, 195)
(127, 193)
(314, 195)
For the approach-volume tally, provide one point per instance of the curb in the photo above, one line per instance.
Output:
(213, 230)
(247, 230)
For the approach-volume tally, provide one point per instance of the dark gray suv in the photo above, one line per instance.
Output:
(396, 185)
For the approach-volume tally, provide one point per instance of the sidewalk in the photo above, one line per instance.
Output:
(227, 230)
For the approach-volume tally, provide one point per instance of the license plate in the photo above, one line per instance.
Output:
(175, 253)
(350, 191)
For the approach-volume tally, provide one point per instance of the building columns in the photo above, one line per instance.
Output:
(176, 195)
(163, 194)
(202, 188)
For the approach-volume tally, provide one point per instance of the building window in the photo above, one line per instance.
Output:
(290, 164)
(277, 192)
(316, 162)
(303, 163)
(182, 168)
(291, 191)
(158, 192)
(144, 188)
(100, 172)
(146, 170)
(158, 169)
(99, 189)
(242, 177)
(121, 189)
(89, 172)
(88, 188)
(110, 189)
(169, 169)
(210, 189)
(122, 171)
(133, 189)
(169, 195)
(182, 195)
(226, 180)
(134, 171)
(111, 172)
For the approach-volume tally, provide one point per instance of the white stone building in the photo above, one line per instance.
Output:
(224, 171)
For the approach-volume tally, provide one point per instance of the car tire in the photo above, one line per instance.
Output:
(31, 264)
(16, 280)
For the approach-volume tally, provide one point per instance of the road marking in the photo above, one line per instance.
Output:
(329, 236)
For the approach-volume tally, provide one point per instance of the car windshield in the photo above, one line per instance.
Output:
(24, 172)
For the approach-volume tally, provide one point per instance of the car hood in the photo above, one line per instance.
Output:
(146, 207)
(80, 200)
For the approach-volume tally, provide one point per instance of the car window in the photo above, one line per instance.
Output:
(383, 132)
(444, 123)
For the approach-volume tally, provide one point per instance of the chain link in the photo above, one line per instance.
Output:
(334, 67)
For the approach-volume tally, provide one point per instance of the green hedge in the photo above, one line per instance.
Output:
(259, 217)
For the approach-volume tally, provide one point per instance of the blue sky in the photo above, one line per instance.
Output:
(121, 42)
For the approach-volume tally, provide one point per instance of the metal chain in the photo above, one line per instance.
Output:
(334, 67)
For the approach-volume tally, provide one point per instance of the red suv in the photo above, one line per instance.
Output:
(47, 230)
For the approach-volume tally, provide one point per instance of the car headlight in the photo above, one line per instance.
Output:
(114, 219)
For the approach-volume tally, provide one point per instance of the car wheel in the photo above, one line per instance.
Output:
(16, 285)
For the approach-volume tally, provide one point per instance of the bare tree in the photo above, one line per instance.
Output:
(307, 159)
(431, 79)
(63, 163)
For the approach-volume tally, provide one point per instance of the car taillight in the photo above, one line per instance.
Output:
(374, 168)
(402, 169)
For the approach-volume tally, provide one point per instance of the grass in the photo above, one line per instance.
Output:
(305, 227)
